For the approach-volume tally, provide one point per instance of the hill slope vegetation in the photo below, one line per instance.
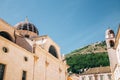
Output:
(90, 56)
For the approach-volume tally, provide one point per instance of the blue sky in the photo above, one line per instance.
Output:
(70, 23)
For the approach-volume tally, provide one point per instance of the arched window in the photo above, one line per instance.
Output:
(35, 30)
(111, 43)
(30, 27)
(25, 27)
(111, 32)
(6, 35)
(53, 51)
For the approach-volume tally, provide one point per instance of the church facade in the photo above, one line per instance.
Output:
(113, 48)
(24, 55)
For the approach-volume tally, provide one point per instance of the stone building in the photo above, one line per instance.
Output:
(113, 48)
(24, 55)
(98, 73)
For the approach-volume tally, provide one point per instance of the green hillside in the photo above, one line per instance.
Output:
(90, 56)
(97, 47)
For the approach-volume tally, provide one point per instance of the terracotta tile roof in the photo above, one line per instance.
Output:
(97, 70)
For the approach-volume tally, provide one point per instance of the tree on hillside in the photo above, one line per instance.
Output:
(79, 62)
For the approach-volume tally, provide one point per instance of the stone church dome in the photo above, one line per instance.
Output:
(27, 26)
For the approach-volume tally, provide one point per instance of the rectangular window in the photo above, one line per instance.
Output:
(109, 77)
(24, 75)
(96, 77)
(101, 77)
(2, 69)
(90, 77)
(83, 78)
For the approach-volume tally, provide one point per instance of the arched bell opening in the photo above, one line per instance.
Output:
(111, 33)
(111, 42)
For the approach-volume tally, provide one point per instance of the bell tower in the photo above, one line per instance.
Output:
(110, 38)
(110, 41)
